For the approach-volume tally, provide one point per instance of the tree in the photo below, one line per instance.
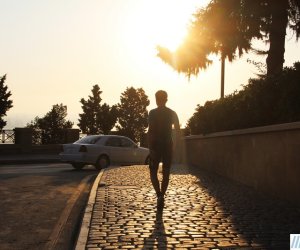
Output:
(213, 30)
(225, 26)
(5, 103)
(52, 124)
(107, 118)
(271, 19)
(96, 118)
(284, 13)
(132, 113)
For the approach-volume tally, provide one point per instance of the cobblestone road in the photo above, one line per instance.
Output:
(202, 211)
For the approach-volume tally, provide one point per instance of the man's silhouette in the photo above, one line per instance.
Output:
(161, 120)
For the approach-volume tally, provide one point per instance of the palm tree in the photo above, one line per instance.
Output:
(271, 19)
(283, 14)
(225, 26)
(209, 33)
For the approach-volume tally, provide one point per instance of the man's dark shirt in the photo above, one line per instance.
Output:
(160, 126)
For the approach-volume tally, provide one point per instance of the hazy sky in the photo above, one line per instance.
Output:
(54, 51)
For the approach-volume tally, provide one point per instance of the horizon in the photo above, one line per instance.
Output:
(55, 52)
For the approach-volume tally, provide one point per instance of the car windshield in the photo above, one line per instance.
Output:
(90, 139)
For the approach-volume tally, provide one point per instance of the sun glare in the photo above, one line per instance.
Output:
(170, 25)
(161, 23)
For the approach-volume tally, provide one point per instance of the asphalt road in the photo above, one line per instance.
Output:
(41, 205)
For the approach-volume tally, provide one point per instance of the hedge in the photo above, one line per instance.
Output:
(264, 101)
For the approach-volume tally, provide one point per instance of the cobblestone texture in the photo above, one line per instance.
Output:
(202, 211)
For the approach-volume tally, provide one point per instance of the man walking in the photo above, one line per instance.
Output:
(161, 120)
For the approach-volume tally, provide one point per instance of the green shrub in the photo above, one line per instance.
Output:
(264, 101)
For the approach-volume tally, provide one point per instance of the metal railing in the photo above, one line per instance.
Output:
(38, 136)
(7, 136)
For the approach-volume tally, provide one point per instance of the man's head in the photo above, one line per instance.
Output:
(161, 97)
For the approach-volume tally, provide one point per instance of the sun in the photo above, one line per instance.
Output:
(159, 22)
(167, 21)
(171, 25)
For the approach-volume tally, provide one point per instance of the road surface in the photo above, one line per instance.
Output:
(41, 205)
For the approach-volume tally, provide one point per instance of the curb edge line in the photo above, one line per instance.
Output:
(86, 220)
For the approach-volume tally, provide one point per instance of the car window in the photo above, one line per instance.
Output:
(127, 143)
(113, 142)
(90, 139)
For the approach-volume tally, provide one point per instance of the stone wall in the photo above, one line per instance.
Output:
(265, 158)
(12, 149)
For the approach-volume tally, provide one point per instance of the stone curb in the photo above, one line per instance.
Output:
(85, 225)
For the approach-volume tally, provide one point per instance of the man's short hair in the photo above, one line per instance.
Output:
(161, 96)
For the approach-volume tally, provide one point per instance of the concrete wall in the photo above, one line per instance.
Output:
(265, 158)
(11, 149)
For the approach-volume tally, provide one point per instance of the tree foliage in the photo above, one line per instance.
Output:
(264, 101)
(214, 30)
(132, 113)
(52, 124)
(96, 118)
(229, 26)
(271, 19)
(5, 102)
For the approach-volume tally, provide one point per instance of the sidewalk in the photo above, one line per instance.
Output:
(202, 211)
(28, 158)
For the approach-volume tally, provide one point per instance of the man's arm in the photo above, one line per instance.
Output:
(177, 139)
(176, 127)
(150, 130)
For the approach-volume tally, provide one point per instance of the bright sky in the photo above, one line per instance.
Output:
(54, 51)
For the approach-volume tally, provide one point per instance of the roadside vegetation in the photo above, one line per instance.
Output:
(263, 101)
(5, 101)
(129, 117)
(96, 118)
(50, 128)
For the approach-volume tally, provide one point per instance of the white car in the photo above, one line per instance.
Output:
(102, 151)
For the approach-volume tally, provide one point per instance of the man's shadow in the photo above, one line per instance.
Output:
(158, 234)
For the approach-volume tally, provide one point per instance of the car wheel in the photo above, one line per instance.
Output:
(102, 162)
(77, 166)
(147, 161)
